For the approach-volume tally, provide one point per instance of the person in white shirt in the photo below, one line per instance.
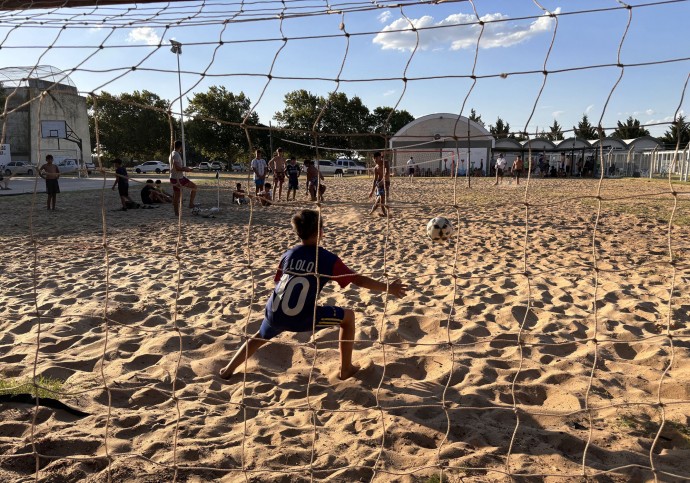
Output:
(178, 180)
(260, 168)
(500, 166)
(410, 167)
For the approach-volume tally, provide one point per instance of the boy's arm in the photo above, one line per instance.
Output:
(395, 288)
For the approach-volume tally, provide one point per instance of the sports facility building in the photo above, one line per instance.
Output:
(45, 114)
(441, 143)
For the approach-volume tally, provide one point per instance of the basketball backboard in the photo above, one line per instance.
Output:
(54, 129)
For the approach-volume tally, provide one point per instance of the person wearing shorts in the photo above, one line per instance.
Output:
(178, 180)
(51, 173)
(292, 307)
(293, 173)
(518, 166)
(260, 168)
(278, 164)
(122, 183)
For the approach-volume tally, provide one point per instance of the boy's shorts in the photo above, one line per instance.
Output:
(326, 316)
(259, 182)
(293, 184)
(177, 183)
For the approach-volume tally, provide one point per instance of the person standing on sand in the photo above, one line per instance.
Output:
(178, 180)
(51, 173)
(518, 166)
(500, 166)
(381, 184)
(277, 164)
(292, 305)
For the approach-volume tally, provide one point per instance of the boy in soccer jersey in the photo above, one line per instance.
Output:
(291, 305)
(293, 172)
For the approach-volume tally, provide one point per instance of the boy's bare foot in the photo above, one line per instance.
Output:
(348, 373)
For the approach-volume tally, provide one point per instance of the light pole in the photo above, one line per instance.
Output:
(177, 50)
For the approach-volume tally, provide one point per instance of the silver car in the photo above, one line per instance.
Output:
(18, 167)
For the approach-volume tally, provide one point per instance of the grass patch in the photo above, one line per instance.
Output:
(643, 426)
(48, 387)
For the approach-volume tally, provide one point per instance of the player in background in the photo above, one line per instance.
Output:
(381, 184)
(293, 171)
(50, 172)
(277, 165)
(178, 180)
(291, 305)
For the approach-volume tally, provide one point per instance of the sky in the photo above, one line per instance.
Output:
(371, 49)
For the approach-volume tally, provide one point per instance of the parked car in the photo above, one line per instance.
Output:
(237, 167)
(352, 166)
(218, 166)
(328, 167)
(68, 165)
(204, 166)
(152, 167)
(19, 167)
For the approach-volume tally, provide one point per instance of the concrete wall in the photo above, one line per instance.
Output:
(23, 127)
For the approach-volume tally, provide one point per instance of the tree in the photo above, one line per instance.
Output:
(501, 130)
(630, 130)
(382, 121)
(207, 128)
(555, 132)
(131, 126)
(341, 115)
(585, 130)
(680, 129)
(474, 117)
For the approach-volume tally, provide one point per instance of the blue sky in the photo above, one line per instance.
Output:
(649, 93)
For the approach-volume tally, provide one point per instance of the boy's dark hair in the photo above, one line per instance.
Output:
(268, 185)
(238, 186)
(306, 223)
(158, 181)
(149, 181)
(377, 154)
(50, 156)
(178, 144)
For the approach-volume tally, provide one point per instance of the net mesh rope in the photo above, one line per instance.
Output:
(379, 415)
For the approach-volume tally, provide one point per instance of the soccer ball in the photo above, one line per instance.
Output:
(439, 229)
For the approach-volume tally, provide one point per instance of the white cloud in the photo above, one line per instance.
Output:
(144, 34)
(95, 29)
(384, 16)
(389, 93)
(649, 112)
(496, 34)
(557, 114)
(589, 109)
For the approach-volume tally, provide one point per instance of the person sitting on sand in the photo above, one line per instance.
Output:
(266, 196)
(239, 195)
(150, 195)
(291, 305)
(159, 187)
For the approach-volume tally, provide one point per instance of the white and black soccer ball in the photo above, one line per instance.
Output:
(439, 229)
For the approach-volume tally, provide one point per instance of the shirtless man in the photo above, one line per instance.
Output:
(278, 164)
(51, 173)
(381, 184)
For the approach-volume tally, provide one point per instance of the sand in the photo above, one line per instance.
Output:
(476, 376)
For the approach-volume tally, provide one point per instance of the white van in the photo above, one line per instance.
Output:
(351, 166)
(327, 167)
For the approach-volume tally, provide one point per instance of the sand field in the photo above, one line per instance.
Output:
(510, 355)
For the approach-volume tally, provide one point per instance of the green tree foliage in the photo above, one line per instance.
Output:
(383, 122)
(299, 114)
(128, 126)
(207, 127)
(629, 130)
(347, 117)
(476, 118)
(555, 132)
(585, 130)
(500, 130)
(680, 129)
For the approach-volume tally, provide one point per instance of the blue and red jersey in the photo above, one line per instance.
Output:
(297, 285)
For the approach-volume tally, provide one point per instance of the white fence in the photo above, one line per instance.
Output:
(653, 163)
